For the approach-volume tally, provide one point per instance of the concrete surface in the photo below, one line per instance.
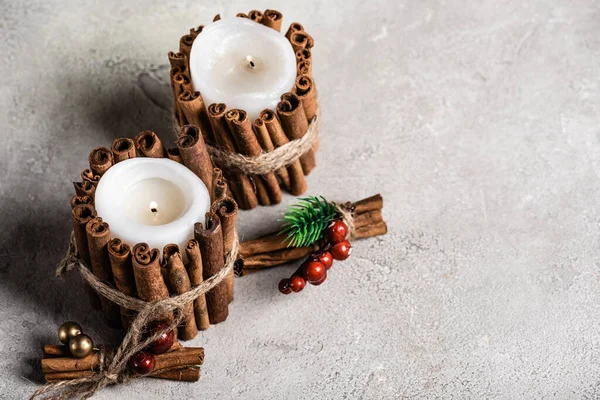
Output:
(477, 120)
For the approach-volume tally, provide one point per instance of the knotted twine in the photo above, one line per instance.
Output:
(270, 161)
(113, 365)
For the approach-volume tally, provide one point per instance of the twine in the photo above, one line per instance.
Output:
(113, 366)
(345, 212)
(270, 161)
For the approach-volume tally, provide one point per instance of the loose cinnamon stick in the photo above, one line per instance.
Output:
(307, 92)
(186, 374)
(84, 188)
(192, 250)
(98, 236)
(369, 204)
(295, 124)
(180, 283)
(301, 40)
(77, 200)
(247, 144)
(185, 357)
(262, 133)
(294, 27)
(64, 364)
(185, 44)
(119, 254)
(368, 218)
(123, 149)
(193, 108)
(81, 215)
(56, 350)
(227, 211)
(148, 143)
(255, 16)
(264, 244)
(367, 231)
(88, 175)
(210, 239)
(177, 59)
(149, 281)
(100, 159)
(278, 257)
(240, 184)
(195, 155)
(68, 375)
(174, 155)
(272, 19)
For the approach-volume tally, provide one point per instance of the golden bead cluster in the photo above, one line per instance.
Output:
(80, 345)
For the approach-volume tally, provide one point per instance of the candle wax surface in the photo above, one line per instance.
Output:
(154, 201)
(243, 64)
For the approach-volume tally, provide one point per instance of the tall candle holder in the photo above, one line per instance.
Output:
(258, 154)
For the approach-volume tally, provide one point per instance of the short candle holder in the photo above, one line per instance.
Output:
(260, 150)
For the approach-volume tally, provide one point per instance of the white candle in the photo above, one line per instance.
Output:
(151, 200)
(243, 64)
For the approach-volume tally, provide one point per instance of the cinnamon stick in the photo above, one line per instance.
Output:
(301, 40)
(294, 27)
(88, 175)
(240, 183)
(256, 16)
(272, 19)
(195, 155)
(100, 159)
(368, 218)
(81, 215)
(264, 244)
(98, 236)
(196, 31)
(307, 92)
(148, 143)
(56, 350)
(175, 155)
(192, 251)
(262, 133)
(68, 375)
(242, 15)
(304, 68)
(84, 188)
(123, 149)
(296, 174)
(185, 357)
(64, 364)
(210, 239)
(192, 106)
(277, 257)
(295, 124)
(367, 231)
(77, 200)
(219, 184)
(247, 144)
(369, 204)
(217, 17)
(149, 281)
(303, 55)
(180, 283)
(227, 211)
(186, 374)
(177, 59)
(185, 44)
(119, 255)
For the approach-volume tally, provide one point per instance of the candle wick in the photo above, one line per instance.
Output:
(154, 210)
(250, 62)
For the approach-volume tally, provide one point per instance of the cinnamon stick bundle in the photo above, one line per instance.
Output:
(180, 283)
(148, 144)
(307, 92)
(195, 155)
(98, 236)
(81, 215)
(119, 254)
(210, 238)
(278, 137)
(295, 124)
(149, 280)
(192, 106)
(77, 200)
(227, 210)
(272, 19)
(84, 188)
(123, 149)
(192, 251)
(100, 159)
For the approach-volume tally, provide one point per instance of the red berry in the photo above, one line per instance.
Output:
(341, 250)
(320, 281)
(284, 286)
(164, 341)
(325, 257)
(336, 231)
(314, 270)
(142, 363)
(297, 283)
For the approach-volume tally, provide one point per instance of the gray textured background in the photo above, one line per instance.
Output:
(477, 120)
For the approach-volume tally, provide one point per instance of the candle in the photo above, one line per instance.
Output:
(151, 200)
(243, 64)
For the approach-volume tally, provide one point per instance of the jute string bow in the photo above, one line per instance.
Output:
(269, 161)
(113, 366)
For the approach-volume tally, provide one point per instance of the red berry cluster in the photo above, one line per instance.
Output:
(143, 363)
(314, 269)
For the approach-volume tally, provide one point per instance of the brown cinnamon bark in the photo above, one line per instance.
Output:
(367, 218)
(194, 154)
(295, 124)
(77, 200)
(148, 143)
(180, 283)
(149, 281)
(196, 31)
(241, 185)
(369, 204)
(278, 257)
(100, 159)
(303, 55)
(185, 44)
(56, 350)
(64, 376)
(84, 188)
(255, 16)
(367, 231)
(227, 211)
(119, 254)
(192, 106)
(264, 244)
(180, 82)
(272, 19)
(307, 92)
(88, 175)
(294, 27)
(177, 59)
(81, 215)
(301, 40)
(219, 185)
(304, 68)
(192, 250)
(247, 144)
(210, 238)
(64, 364)
(262, 133)
(185, 357)
(123, 149)
(174, 155)
(296, 174)
(98, 236)
(185, 374)
(217, 17)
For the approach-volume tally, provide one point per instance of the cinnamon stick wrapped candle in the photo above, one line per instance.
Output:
(81, 215)
(119, 254)
(180, 283)
(295, 124)
(192, 250)
(194, 154)
(149, 144)
(123, 149)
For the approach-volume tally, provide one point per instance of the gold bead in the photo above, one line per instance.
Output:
(68, 330)
(81, 346)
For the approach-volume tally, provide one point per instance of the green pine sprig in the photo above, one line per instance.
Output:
(305, 221)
